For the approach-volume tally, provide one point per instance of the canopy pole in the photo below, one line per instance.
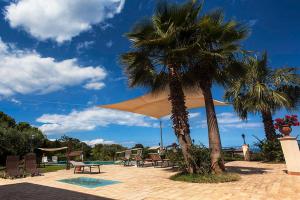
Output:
(161, 137)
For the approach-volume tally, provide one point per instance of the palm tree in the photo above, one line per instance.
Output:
(212, 51)
(157, 62)
(264, 90)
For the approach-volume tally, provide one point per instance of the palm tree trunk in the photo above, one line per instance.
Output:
(215, 146)
(180, 119)
(268, 125)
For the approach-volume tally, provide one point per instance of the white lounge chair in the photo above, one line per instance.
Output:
(79, 166)
(54, 159)
(44, 159)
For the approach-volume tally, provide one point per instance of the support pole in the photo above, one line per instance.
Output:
(161, 137)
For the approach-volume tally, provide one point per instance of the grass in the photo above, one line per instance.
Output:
(206, 178)
(52, 168)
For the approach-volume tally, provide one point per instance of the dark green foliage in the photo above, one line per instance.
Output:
(229, 156)
(271, 151)
(106, 152)
(206, 178)
(17, 138)
(201, 156)
(260, 89)
(65, 141)
(20, 138)
(137, 146)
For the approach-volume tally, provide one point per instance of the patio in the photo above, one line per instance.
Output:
(259, 181)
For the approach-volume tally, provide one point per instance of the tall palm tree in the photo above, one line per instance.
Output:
(264, 90)
(212, 51)
(157, 62)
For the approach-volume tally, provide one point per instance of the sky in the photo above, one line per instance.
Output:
(59, 60)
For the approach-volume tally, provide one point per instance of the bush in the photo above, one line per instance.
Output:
(270, 150)
(228, 156)
(201, 156)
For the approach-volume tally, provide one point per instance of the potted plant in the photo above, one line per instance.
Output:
(284, 124)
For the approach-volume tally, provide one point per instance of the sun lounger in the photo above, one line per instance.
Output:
(44, 160)
(156, 159)
(127, 158)
(54, 159)
(12, 167)
(31, 165)
(80, 166)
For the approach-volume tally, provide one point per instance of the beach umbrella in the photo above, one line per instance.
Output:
(157, 105)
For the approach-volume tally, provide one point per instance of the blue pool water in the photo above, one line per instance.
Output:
(100, 162)
(88, 182)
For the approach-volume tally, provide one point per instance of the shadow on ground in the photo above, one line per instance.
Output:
(246, 170)
(28, 191)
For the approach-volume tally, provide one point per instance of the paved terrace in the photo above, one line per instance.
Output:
(259, 181)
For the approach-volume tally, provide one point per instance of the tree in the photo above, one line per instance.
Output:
(17, 139)
(156, 62)
(264, 90)
(211, 50)
(106, 152)
(137, 146)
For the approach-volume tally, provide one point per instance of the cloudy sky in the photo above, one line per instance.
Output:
(59, 59)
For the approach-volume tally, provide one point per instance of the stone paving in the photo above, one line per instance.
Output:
(259, 181)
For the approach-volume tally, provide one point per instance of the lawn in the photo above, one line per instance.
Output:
(206, 178)
(52, 168)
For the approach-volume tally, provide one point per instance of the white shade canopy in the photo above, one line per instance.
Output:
(52, 149)
(158, 105)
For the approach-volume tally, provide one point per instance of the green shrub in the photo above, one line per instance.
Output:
(270, 150)
(228, 156)
(258, 156)
(200, 154)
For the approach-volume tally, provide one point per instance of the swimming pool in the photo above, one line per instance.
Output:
(100, 162)
(88, 182)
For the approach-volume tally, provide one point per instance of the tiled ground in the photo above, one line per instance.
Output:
(259, 181)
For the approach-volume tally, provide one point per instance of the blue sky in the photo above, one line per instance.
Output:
(59, 59)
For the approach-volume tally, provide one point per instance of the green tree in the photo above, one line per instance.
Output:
(137, 146)
(17, 139)
(156, 62)
(106, 152)
(264, 90)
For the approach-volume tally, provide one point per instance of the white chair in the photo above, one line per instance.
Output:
(44, 159)
(79, 166)
(54, 159)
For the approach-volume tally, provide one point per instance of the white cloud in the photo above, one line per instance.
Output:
(94, 86)
(98, 141)
(89, 119)
(109, 44)
(230, 120)
(191, 116)
(60, 20)
(16, 101)
(84, 45)
(252, 22)
(25, 72)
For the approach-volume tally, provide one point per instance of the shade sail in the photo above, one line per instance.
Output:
(52, 149)
(158, 105)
